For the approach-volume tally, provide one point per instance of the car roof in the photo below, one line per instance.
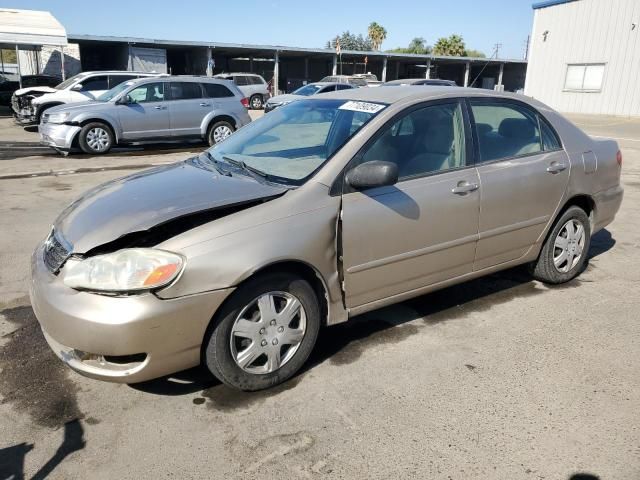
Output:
(413, 80)
(402, 92)
(237, 73)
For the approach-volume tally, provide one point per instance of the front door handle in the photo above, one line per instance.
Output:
(159, 107)
(464, 187)
(556, 167)
(205, 104)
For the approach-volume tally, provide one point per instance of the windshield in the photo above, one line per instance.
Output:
(114, 92)
(291, 143)
(307, 90)
(69, 81)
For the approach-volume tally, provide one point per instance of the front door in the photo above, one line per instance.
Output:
(147, 116)
(424, 229)
(523, 172)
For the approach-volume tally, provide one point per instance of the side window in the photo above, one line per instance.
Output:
(505, 130)
(185, 90)
(215, 90)
(427, 140)
(241, 80)
(343, 86)
(98, 82)
(330, 88)
(549, 139)
(255, 80)
(150, 92)
(115, 80)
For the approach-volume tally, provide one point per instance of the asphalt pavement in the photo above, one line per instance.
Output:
(498, 378)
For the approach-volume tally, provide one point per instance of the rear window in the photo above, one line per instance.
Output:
(255, 80)
(241, 80)
(215, 90)
(185, 90)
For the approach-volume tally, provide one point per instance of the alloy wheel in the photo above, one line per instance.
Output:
(220, 133)
(98, 139)
(267, 332)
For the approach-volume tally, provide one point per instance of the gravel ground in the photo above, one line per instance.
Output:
(499, 378)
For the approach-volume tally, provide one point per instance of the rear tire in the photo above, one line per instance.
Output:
(95, 138)
(566, 249)
(264, 333)
(218, 131)
(256, 102)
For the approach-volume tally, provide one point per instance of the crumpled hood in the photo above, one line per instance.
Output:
(146, 199)
(23, 91)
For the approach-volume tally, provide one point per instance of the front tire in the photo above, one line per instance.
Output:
(95, 138)
(219, 131)
(264, 333)
(565, 251)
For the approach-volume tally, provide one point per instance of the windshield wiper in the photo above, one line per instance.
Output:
(244, 166)
(216, 165)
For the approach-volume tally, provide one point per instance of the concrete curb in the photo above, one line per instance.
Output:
(52, 173)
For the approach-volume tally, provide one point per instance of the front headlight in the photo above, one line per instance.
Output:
(127, 270)
(57, 117)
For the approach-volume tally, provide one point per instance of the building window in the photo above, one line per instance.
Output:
(584, 77)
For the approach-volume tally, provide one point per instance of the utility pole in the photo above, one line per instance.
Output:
(497, 47)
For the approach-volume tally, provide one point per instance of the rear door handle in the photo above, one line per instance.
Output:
(556, 167)
(464, 187)
(205, 104)
(159, 107)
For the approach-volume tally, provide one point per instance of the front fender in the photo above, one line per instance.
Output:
(108, 118)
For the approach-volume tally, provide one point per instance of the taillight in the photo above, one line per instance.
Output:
(619, 158)
(245, 102)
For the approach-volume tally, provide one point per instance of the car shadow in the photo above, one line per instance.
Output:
(344, 343)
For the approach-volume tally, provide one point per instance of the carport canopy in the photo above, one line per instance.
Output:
(26, 28)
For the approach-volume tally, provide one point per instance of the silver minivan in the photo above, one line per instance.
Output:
(148, 110)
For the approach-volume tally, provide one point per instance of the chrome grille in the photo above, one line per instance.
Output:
(55, 253)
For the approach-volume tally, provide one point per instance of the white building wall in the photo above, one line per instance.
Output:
(587, 31)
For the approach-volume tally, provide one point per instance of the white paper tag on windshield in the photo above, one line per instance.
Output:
(365, 107)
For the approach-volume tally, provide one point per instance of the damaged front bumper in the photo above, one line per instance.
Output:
(58, 136)
(125, 339)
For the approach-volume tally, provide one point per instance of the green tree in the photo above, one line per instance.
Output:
(9, 56)
(418, 45)
(452, 46)
(350, 41)
(377, 34)
(475, 53)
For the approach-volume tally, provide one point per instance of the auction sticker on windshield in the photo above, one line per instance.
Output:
(366, 107)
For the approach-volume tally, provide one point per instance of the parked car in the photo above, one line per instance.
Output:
(148, 109)
(305, 91)
(326, 208)
(253, 87)
(353, 80)
(10, 83)
(434, 82)
(30, 103)
(370, 78)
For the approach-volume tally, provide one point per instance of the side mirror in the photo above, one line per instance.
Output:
(77, 87)
(124, 100)
(372, 174)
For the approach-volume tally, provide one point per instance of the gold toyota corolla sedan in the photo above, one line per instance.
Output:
(323, 209)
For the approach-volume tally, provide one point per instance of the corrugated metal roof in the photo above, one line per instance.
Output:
(270, 49)
(550, 3)
(30, 27)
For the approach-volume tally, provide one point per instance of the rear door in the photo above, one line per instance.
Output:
(147, 116)
(424, 229)
(523, 172)
(187, 108)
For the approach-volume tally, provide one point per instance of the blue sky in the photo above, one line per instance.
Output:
(305, 24)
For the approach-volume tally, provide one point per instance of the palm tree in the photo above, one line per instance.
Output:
(452, 46)
(377, 34)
